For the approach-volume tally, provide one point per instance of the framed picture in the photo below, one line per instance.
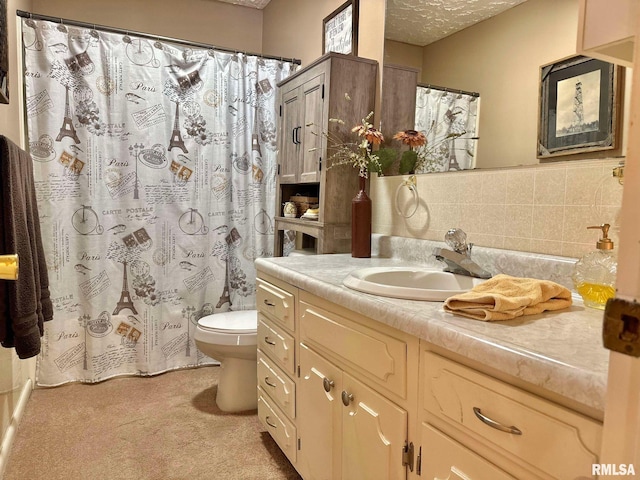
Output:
(4, 54)
(580, 99)
(340, 29)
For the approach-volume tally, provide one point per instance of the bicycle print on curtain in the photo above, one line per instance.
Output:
(155, 175)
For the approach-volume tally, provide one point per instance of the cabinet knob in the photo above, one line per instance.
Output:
(346, 398)
(327, 384)
(266, 380)
(267, 340)
(268, 303)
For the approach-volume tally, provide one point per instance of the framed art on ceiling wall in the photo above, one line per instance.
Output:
(4, 54)
(340, 29)
(580, 101)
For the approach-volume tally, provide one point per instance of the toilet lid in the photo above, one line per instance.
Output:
(244, 321)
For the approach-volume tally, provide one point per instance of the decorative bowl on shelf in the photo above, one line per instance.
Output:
(290, 210)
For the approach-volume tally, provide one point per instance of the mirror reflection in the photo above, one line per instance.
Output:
(449, 121)
(499, 57)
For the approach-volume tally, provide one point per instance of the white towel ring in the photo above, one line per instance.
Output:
(410, 183)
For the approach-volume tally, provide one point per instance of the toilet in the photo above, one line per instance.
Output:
(231, 338)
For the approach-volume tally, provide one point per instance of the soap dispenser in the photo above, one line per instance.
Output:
(594, 275)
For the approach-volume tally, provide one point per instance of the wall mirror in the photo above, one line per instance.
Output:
(499, 56)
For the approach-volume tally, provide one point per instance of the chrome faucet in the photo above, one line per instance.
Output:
(458, 259)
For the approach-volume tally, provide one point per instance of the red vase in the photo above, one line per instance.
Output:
(361, 223)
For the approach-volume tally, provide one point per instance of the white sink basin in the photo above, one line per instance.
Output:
(410, 283)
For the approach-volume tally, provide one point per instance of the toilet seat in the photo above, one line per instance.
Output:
(237, 323)
(229, 328)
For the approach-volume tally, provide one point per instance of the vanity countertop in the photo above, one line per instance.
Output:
(560, 352)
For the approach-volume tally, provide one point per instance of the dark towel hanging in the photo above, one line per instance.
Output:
(25, 303)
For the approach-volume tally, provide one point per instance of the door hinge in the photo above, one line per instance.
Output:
(280, 110)
(298, 444)
(407, 456)
(323, 91)
(320, 165)
(278, 169)
(419, 462)
(298, 371)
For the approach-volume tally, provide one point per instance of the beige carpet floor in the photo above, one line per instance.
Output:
(165, 427)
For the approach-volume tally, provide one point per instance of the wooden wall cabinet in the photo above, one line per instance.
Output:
(307, 100)
(399, 84)
(606, 30)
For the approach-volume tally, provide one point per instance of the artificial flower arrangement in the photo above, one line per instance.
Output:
(357, 153)
(423, 156)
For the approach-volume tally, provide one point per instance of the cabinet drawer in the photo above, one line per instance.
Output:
(276, 343)
(443, 457)
(277, 424)
(557, 441)
(380, 357)
(280, 388)
(276, 302)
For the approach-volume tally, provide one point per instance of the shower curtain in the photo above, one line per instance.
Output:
(449, 122)
(155, 174)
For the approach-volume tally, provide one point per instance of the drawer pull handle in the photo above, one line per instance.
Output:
(346, 398)
(266, 380)
(266, 340)
(268, 303)
(327, 384)
(266, 419)
(493, 424)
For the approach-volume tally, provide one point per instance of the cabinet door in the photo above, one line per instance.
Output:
(374, 431)
(319, 417)
(290, 145)
(313, 124)
(445, 459)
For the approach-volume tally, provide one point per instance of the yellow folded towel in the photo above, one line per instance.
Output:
(504, 297)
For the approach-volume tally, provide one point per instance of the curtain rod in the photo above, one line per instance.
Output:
(447, 89)
(148, 36)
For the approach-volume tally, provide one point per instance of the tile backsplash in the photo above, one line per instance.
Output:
(539, 208)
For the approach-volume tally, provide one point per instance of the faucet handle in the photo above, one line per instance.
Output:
(457, 240)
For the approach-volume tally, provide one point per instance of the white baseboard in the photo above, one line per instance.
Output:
(9, 435)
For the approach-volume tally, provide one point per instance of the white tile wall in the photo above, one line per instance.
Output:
(541, 208)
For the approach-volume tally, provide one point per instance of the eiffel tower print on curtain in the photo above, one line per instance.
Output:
(125, 298)
(67, 129)
(176, 136)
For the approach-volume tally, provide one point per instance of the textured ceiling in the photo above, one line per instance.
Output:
(248, 3)
(421, 22)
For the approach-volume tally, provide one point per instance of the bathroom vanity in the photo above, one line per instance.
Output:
(358, 386)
